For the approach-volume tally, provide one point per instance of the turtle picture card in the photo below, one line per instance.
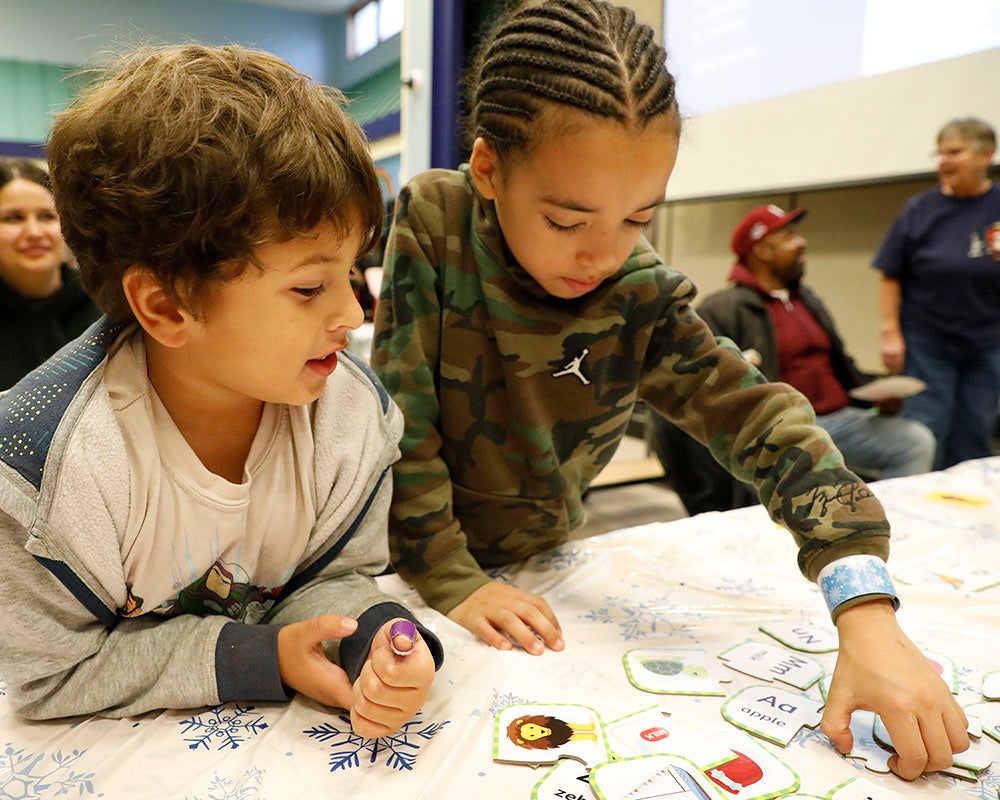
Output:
(767, 662)
(807, 637)
(567, 780)
(772, 713)
(542, 733)
(654, 777)
(673, 671)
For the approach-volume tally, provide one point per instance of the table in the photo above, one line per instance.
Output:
(701, 582)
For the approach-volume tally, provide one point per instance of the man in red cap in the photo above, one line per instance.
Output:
(786, 331)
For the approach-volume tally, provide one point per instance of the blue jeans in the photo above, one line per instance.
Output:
(892, 446)
(960, 402)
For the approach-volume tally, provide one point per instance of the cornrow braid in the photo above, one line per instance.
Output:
(585, 54)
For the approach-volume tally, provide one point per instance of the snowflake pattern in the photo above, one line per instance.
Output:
(561, 558)
(28, 775)
(3, 688)
(399, 749)
(861, 576)
(504, 699)
(227, 727)
(748, 588)
(986, 788)
(640, 620)
(247, 787)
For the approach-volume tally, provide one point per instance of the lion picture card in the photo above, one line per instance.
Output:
(542, 733)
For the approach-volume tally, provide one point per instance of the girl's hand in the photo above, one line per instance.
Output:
(879, 669)
(497, 611)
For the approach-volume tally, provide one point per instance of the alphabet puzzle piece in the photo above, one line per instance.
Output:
(988, 717)
(646, 732)
(673, 671)
(991, 685)
(861, 789)
(967, 759)
(808, 637)
(540, 733)
(772, 713)
(656, 777)
(767, 662)
(567, 780)
(865, 747)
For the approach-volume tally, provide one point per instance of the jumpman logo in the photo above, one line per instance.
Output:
(573, 368)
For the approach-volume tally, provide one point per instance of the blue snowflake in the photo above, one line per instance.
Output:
(808, 736)
(27, 775)
(561, 558)
(246, 788)
(502, 700)
(400, 749)
(639, 620)
(229, 727)
(986, 788)
(748, 588)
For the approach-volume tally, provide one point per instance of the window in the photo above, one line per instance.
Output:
(373, 23)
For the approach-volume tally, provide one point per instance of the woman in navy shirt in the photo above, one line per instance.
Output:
(940, 296)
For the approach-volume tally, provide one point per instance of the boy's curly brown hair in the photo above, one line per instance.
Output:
(184, 158)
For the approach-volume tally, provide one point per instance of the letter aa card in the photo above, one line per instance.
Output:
(772, 713)
(539, 733)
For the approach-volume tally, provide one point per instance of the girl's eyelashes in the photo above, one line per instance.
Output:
(633, 223)
(640, 224)
(308, 292)
(563, 228)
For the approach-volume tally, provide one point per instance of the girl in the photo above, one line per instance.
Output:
(521, 318)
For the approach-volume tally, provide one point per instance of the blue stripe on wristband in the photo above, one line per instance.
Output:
(855, 576)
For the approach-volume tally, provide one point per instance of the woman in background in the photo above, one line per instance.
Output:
(42, 305)
(940, 296)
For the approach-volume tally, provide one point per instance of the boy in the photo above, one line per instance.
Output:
(202, 457)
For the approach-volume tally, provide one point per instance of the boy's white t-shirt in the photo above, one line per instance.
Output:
(195, 542)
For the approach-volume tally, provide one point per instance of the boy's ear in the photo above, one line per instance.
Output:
(484, 168)
(156, 311)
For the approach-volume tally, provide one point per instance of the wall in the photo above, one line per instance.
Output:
(43, 33)
(844, 228)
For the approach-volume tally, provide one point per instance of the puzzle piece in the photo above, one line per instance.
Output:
(644, 733)
(967, 759)
(673, 671)
(988, 716)
(861, 789)
(944, 667)
(865, 747)
(542, 733)
(568, 779)
(824, 685)
(991, 685)
(809, 637)
(669, 777)
(766, 662)
(772, 713)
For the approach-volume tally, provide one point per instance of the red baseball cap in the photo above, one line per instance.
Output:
(758, 223)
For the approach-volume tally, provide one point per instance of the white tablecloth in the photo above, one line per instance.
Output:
(705, 582)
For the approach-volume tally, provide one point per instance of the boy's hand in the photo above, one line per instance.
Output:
(391, 688)
(303, 664)
(879, 669)
(497, 608)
